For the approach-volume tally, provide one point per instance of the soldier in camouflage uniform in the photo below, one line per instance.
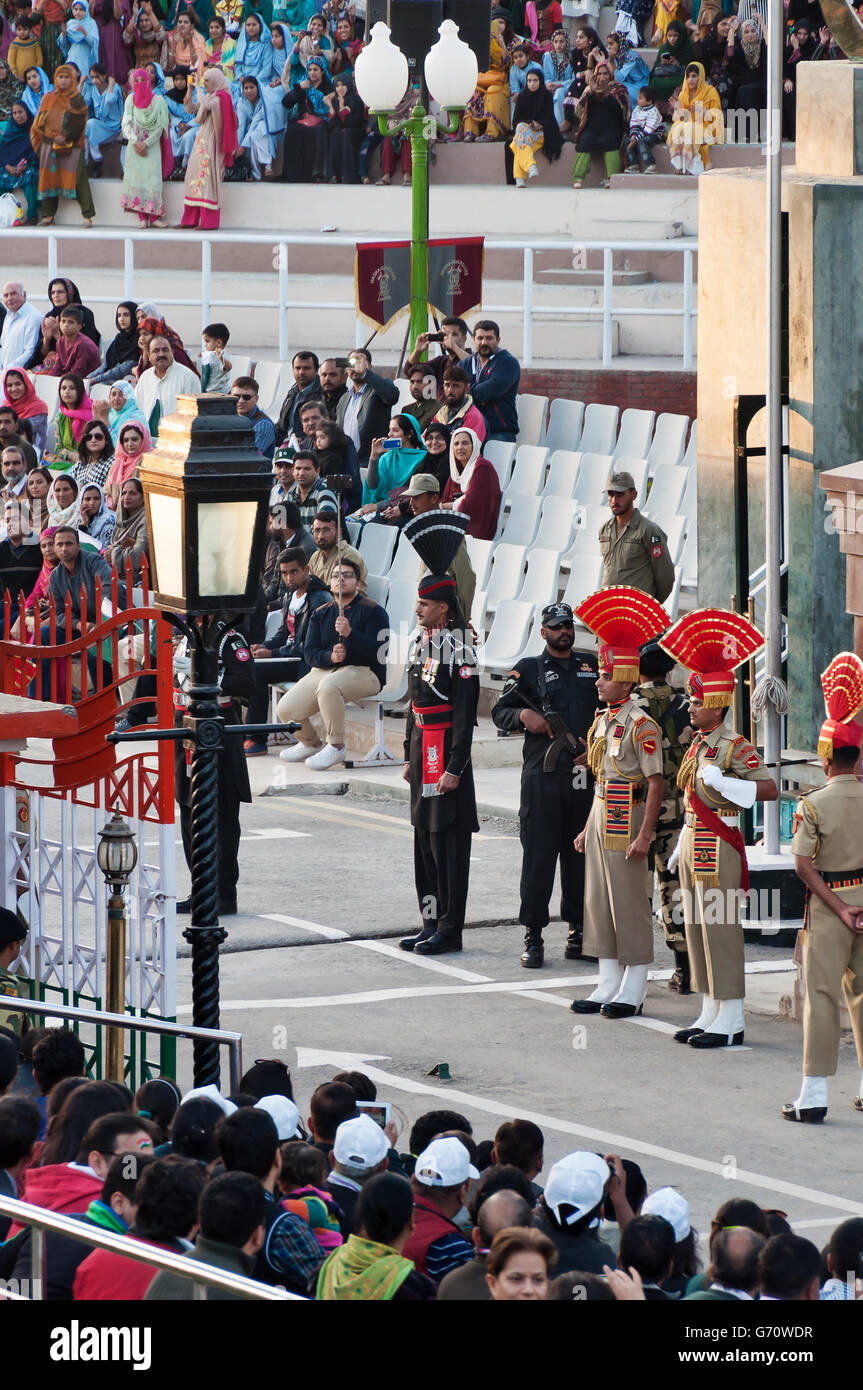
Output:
(13, 934)
(670, 709)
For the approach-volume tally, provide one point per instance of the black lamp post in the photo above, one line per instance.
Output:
(206, 490)
(117, 855)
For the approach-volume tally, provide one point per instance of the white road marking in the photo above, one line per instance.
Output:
(276, 832)
(604, 1140)
(332, 933)
(380, 996)
(383, 948)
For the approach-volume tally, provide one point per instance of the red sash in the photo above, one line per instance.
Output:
(433, 736)
(729, 834)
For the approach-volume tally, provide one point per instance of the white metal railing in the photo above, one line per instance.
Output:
(202, 1275)
(607, 312)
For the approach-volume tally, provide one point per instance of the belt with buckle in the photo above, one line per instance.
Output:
(639, 790)
(691, 819)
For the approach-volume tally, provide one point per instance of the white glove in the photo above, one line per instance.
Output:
(674, 856)
(732, 788)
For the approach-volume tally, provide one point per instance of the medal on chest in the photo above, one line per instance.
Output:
(430, 670)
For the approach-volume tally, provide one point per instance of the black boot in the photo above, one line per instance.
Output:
(443, 941)
(573, 950)
(680, 980)
(407, 943)
(533, 954)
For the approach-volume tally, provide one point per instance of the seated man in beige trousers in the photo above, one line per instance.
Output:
(346, 651)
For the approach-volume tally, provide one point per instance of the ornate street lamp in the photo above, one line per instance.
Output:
(381, 76)
(116, 855)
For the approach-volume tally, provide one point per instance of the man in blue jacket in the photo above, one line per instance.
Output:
(494, 375)
(345, 650)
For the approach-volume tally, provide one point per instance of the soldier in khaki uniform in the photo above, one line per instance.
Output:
(828, 857)
(720, 773)
(670, 710)
(634, 549)
(624, 751)
(13, 934)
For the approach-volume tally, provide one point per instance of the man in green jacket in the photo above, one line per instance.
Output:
(232, 1216)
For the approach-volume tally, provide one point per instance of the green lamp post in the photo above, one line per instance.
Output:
(381, 76)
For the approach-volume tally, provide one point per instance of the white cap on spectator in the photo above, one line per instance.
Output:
(284, 1114)
(577, 1181)
(445, 1163)
(212, 1093)
(670, 1203)
(360, 1143)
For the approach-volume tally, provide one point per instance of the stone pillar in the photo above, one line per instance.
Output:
(823, 198)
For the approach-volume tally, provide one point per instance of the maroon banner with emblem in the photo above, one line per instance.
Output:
(382, 281)
(455, 276)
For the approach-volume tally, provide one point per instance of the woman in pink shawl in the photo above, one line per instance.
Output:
(213, 152)
(21, 394)
(132, 443)
(148, 151)
(74, 414)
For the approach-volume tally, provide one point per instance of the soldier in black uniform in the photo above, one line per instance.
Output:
(556, 787)
(237, 687)
(444, 690)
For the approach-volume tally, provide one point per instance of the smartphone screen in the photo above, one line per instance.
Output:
(377, 1110)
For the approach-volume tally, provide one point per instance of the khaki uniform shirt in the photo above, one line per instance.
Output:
(733, 755)
(633, 743)
(323, 564)
(828, 826)
(637, 555)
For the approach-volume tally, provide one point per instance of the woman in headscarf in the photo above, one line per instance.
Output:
(801, 48)
(283, 47)
(260, 121)
(697, 123)
(295, 13)
(603, 123)
(391, 463)
(158, 328)
(80, 40)
(436, 437)
(254, 53)
(121, 353)
(587, 50)
(486, 115)
(36, 84)
(129, 540)
(212, 152)
(57, 136)
(541, 18)
(18, 163)
(347, 47)
(147, 310)
(148, 151)
(123, 408)
(337, 454)
(746, 66)
(305, 157)
(347, 127)
(53, 15)
(60, 293)
(63, 502)
(473, 485)
(21, 394)
(557, 71)
(184, 47)
(74, 413)
(314, 43)
(39, 482)
(535, 128)
(10, 90)
(133, 442)
(112, 17)
(629, 69)
(717, 50)
(672, 57)
(219, 50)
(38, 595)
(95, 454)
(94, 518)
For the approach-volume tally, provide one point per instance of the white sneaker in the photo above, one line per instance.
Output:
(298, 753)
(532, 172)
(521, 183)
(326, 757)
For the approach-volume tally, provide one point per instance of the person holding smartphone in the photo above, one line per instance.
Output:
(364, 410)
(452, 340)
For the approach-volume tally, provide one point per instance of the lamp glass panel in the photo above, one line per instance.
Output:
(225, 532)
(166, 542)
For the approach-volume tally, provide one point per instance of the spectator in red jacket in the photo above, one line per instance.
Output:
(166, 1197)
(473, 486)
(440, 1181)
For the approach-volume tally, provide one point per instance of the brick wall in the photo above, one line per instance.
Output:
(660, 391)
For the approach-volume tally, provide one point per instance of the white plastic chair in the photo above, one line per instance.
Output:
(522, 522)
(377, 587)
(588, 520)
(585, 578)
(676, 533)
(393, 693)
(401, 605)
(689, 561)
(690, 458)
(528, 476)
(506, 573)
(636, 427)
(100, 392)
(480, 553)
(353, 531)
(501, 453)
(273, 623)
(507, 636)
(240, 366)
(535, 644)
(532, 411)
(557, 523)
(668, 441)
(592, 477)
(405, 562)
(377, 544)
(600, 429)
(274, 382)
(540, 583)
(564, 425)
(666, 493)
(563, 473)
(48, 390)
(638, 468)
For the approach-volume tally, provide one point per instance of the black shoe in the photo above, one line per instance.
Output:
(680, 981)
(585, 1006)
(814, 1116)
(440, 944)
(684, 1034)
(574, 948)
(620, 1010)
(533, 954)
(858, 1102)
(705, 1040)
(407, 943)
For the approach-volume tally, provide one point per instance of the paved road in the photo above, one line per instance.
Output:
(333, 876)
